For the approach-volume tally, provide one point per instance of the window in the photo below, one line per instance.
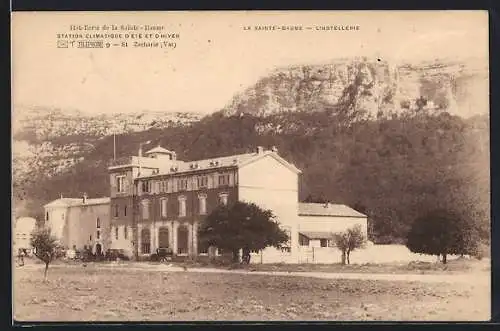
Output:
(202, 181)
(182, 184)
(98, 223)
(146, 186)
(62, 216)
(202, 247)
(125, 211)
(145, 241)
(163, 207)
(120, 184)
(116, 210)
(163, 237)
(255, 251)
(182, 239)
(90, 238)
(223, 199)
(303, 240)
(202, 204)
(145, 209)
(158, 187)
(47, 216)
(223, 180)
(323, 242)
(98, 236)
(125, 232)
(182, 206)
(116, 233)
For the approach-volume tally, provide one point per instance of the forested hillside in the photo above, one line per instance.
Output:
(393, 168)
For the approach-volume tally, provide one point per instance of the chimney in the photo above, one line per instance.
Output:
(260, 149)
(84, 198)
(174, 156)
(274, 149)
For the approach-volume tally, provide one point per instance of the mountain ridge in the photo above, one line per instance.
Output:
(382, 86)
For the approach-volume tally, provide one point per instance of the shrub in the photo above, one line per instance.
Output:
(349, 241)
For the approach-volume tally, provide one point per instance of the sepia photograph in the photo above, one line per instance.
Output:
(251, 166)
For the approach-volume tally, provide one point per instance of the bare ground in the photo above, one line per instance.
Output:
(94, 293)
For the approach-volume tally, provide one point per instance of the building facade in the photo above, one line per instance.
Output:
(158, 201)
(80, 223)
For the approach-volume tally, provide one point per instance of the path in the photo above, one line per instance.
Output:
(478, 278)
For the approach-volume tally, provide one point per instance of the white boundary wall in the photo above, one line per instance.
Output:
(375, 254)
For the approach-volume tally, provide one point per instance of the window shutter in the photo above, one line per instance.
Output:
(126, 184)
(113, 183)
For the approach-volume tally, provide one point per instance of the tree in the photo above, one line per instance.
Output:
(46, 246)
(243, 226)
(349, 241)
(442, 232)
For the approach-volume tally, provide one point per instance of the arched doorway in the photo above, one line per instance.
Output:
(98, 249)
(163, 237)
(145, 241)
(182, 239)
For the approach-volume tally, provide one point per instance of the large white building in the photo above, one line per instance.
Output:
(79, 223)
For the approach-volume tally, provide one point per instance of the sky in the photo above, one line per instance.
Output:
(215, 58)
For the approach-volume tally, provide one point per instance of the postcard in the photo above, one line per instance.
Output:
(250, 166)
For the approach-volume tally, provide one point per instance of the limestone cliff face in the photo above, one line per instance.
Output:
(370, 87)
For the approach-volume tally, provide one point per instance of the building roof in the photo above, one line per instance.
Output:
(71, 202)
(158, 149)
(216, 162)
(238, 160)
(322, 209)
(316, 234)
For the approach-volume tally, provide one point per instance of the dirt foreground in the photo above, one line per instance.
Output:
(96, 293)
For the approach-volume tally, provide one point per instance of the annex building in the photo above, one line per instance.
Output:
(158, 201)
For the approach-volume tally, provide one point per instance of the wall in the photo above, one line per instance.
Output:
(57, 222)
(331, 224)
(372, 254)
(271, 185)
(121, 221)
(82, 222)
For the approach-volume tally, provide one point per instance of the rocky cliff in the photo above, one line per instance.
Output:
(47, 142)
(369, 87)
